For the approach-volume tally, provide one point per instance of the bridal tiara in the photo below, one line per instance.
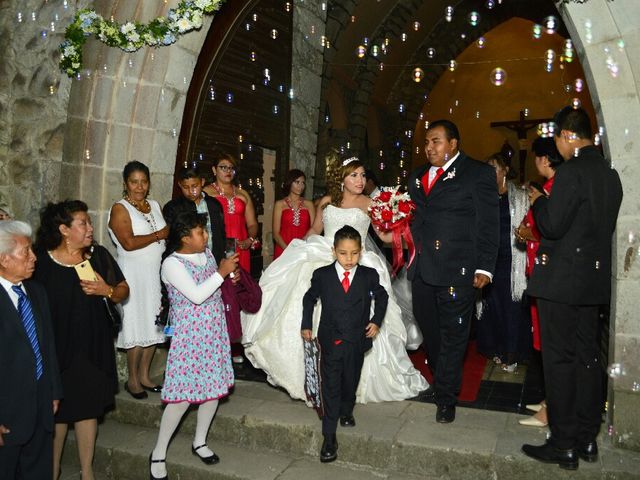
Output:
(349, 160)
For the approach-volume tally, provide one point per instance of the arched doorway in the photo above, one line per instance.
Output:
(238, 103)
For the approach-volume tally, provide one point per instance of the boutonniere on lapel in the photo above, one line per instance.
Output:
(450, 175)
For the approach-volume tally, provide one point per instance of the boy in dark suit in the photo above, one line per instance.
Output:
(346, 330)
(193, 198)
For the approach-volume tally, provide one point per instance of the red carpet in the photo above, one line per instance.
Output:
(474, 365)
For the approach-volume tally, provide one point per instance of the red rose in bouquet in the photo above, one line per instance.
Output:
(392, 210)
(405, 207)
(384, 196)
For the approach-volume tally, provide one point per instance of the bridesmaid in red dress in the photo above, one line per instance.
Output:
(293, 215)
(547, 160)
(239, 214)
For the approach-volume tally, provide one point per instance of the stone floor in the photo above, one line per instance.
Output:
(260, 433)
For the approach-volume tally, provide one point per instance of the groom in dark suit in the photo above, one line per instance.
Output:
(456, 232)
(29, 377)
(346, 329)
(572, 282)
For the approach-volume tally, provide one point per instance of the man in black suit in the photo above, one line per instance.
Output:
(29, 376)
(194, 198)
(456, 232)
(571, 280)
(346, 330)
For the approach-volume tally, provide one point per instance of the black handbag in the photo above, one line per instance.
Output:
(113, 310)
(114, 315)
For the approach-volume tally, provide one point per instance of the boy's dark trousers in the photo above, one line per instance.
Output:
(340, 368)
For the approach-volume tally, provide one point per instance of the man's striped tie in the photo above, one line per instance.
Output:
(28, 320)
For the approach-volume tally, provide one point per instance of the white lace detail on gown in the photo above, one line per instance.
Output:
(272, 336)
(335, 218)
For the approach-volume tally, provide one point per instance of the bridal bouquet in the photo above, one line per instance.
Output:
(392, 210)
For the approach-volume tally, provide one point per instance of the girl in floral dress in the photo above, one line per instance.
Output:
(199, 369)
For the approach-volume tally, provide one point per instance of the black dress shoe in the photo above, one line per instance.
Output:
(210, 460)
(166, 477)
(138, 395)
(547, 453)
(428, 395)
(329, 451)
(588, 452)
(347, 421)
(156, 389)
(446, 413)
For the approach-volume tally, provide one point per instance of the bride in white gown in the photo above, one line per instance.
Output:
(271, 337)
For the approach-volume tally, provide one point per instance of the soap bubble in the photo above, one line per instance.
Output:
(453, 65)
(576, 103)
(550, 55)
(616, 370)
(473, 18)
(498, 76)
(490, 4)
(480, 42)
(537, 31)
(418, 74)
(431, 52)
(546, 130)
(578, 85)
(550, 24)
(361, 51)
(274, 33)
(448, 13)
(416, 26)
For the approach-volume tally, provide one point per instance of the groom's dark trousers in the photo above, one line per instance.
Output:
(456, 232)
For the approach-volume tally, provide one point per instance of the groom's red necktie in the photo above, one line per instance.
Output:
(428, 185)
(345, 281)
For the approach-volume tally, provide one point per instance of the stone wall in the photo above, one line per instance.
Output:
(33, 104)
(308, 45)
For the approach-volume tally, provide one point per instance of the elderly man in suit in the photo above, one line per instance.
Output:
(456, 232)
(571, 280)
(31, 387)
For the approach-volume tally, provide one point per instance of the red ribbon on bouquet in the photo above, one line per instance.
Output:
(399, 231)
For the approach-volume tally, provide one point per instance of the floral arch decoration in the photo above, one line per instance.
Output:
(131, 36)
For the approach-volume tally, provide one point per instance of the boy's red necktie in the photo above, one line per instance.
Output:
(345, 281)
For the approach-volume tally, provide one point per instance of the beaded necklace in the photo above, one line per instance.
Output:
(296, 210)
(231, 205)
(148, 216)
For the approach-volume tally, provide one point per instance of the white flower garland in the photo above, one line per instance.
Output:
(131, 36)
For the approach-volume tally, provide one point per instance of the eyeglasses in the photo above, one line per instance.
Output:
(226, 168)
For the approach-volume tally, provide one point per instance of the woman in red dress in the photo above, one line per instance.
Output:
(547, 160)
(293, 215)
(239, 214)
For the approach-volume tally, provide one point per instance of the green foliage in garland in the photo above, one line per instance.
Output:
(131, 36)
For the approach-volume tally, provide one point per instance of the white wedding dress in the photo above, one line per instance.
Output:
(272, 338)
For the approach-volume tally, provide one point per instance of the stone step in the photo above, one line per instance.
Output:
(392, 436)
(122, 453)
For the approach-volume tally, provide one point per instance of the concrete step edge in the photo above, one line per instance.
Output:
(274, 422)
(122, 453)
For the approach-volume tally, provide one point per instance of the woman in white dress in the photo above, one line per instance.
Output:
(139, 231)
(272, 336)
